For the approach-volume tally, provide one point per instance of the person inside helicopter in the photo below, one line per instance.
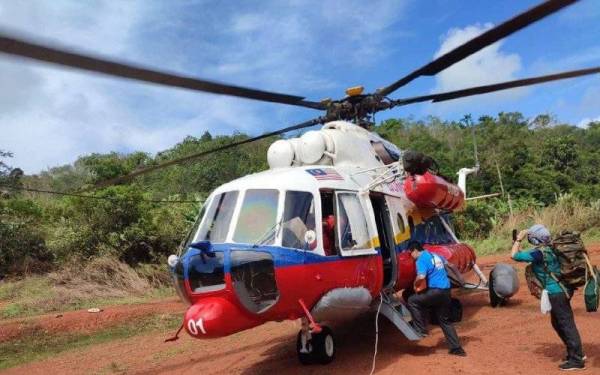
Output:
(328, 235)
(328, 222)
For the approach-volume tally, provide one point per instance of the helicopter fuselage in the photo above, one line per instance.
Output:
(321, 237)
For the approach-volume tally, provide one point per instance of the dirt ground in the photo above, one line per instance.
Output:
(516, 339)
(83, 321)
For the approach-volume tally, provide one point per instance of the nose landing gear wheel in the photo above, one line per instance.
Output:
(320, 348)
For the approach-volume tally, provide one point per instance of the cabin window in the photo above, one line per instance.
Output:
(206, 272)
(257, 221)
(352, 225)
(253, 278)
(298, 218)
(218, 217)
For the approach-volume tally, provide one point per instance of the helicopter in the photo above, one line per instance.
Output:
(320, 236)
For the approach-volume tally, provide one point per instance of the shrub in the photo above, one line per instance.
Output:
(22, 245)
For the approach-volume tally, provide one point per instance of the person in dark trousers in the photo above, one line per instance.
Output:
(436, 296)
(546, 267)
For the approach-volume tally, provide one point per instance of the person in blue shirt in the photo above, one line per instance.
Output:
(546, 268)
(436, 297)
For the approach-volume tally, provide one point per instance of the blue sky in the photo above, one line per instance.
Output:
(50, 116)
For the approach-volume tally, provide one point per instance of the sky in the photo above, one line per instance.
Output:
(50, 116)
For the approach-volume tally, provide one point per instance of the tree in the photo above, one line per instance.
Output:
(4, 168)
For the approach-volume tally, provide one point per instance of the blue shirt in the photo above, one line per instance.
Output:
(431, 266)
(536, 257)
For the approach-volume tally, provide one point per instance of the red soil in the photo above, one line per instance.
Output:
(516, 339)
(83, 321)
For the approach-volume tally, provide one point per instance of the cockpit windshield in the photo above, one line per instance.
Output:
(215, 226)
(257, 219)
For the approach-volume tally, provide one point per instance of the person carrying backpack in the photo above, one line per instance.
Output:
(546, 268)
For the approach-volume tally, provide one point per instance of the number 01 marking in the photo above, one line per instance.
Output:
(193, 326)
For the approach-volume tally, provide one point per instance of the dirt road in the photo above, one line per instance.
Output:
(512, 340)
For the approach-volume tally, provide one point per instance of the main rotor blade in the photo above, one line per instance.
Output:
(134, 174)
(31, 50)
(440, 97)
(478, 43)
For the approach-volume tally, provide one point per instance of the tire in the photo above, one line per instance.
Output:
(304, 358)
(323, 346)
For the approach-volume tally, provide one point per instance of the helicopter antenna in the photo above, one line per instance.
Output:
(468, 121)
(475, 147)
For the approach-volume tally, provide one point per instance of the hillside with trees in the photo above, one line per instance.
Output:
(540, 162)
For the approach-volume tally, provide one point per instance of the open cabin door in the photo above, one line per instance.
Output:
(353, 235)
(385, 232)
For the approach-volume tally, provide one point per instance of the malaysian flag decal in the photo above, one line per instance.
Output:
(325, 174)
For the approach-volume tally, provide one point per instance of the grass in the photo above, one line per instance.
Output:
(37, 345)
(567, 214)
(25, 303)
(103, 281)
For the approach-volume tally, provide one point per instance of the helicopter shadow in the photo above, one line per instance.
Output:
(355, 344)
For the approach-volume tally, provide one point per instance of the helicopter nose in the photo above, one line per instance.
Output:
(216, 317)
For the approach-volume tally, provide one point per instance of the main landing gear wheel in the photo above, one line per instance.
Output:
(320, 348)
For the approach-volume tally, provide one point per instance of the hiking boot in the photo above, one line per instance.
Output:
(572, 366)
(458, 351)
(566, 359)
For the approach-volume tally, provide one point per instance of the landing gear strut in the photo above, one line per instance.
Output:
(315, 347)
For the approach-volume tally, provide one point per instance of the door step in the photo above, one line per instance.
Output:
(398, 314)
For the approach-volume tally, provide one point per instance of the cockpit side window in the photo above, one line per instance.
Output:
(218, 216)
(298, 218)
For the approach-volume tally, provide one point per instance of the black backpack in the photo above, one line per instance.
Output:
(416, 162)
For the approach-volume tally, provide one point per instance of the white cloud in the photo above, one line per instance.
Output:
(50, 116)
(584, 123)
(490, 65)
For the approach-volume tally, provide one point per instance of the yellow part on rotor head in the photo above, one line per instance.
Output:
(353, 91)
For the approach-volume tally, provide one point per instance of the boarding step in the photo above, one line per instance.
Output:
(398, 314)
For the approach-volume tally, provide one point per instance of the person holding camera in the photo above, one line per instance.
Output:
(546, 268)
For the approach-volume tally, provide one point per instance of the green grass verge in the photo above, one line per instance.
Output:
(499, 245)
(37, 344)
(35, 295)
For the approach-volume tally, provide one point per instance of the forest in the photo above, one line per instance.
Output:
(540, 163)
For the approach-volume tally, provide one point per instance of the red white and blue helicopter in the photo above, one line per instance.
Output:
(321, 235)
